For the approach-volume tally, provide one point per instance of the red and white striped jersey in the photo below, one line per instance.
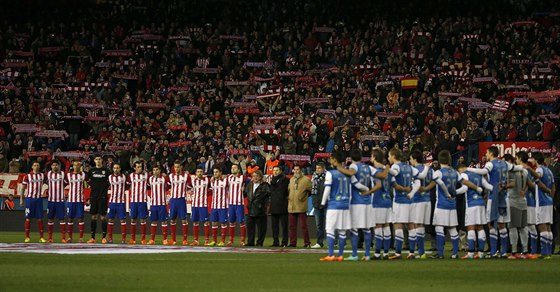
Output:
(34, 183)
(235, 189)
(219, 193)
(118, 187)
(55, 182)
(200, 191)
(158, 187)
(76, 187)
(138, 187)
(179, 185)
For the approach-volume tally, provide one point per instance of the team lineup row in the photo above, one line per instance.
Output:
(359, 197)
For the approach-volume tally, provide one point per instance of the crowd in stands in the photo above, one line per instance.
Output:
(213, 83)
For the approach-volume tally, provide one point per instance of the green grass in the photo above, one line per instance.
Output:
(263, 272)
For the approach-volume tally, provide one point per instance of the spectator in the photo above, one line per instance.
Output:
(299, 189)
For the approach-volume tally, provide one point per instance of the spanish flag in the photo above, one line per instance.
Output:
(409, 82)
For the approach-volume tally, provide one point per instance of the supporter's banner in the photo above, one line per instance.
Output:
(266, 131)
(254, 64)
(375, 138)
(265, 148)
(321, 155)
(153, 105)
(290, 73)
(232, 37)
(117, 53)
(316, 100)
(9, 183)
(70, 154)
(96, 119)
(514, 147)
(267, 95)
(179, 88)
(246, 111)
(5, 119)
(238, 152)
(47, 50)
(243, 104)
(38, 153)
(326, 111)
(273, 118)
(264, 127)
(533, 94)
(295, 157)
(390, 115)
(205, 70)
(88, 142)
(469, 99)
(324, 29)
(479, 105)
(190, 109)
(237, 83)
(449, 94)
(484, 79)
(126, 77)
(179, 144)
(25, 128)
(52, 134)
(119, 147)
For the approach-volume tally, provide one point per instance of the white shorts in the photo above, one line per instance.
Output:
(421, 213)
(501, 219)
(381, 216)
(337, 220)
(544, 214)
(362, 216)
(475, 216)
(444, 217)
(531, 215)
(401, 213)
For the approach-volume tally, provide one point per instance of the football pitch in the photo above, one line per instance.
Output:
(269, 270)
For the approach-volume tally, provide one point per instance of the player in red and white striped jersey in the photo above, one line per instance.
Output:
(158, 204)
(55, 205)
(117, 202)
(75, 207)
(201, 188)
(33, 184)
(179, 182)
(138, 200)
(219, 186)
(236, 203)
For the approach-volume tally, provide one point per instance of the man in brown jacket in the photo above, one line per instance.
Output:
(299, 190)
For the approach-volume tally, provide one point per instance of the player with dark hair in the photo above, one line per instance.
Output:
(55, 209)
(98, 178)
(32, 186)
(138, 181)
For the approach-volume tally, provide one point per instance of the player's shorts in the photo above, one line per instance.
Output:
(177, 208)
(475, 215)
(361, 216)
(55, 210)
(401, 213)
(116, 210)
(337, 220)
(75, 210)
(421, 213)
(503, 217)
(381, 216)
(236, 213)
(544, 214)
(34, 208)
(531, 215)
(445, 217)
(139, 210)
(98, 204)
(518, 218)
(199, 214)
(158, 213)
(219, 215)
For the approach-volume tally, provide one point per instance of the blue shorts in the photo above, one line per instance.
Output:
(55, 210)
(116, 210)
(158, 213)
(199, 214)
(236, 213)
(75, 210)
(219, 215)
(177, 208)
(139, 210)
(33, 208)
